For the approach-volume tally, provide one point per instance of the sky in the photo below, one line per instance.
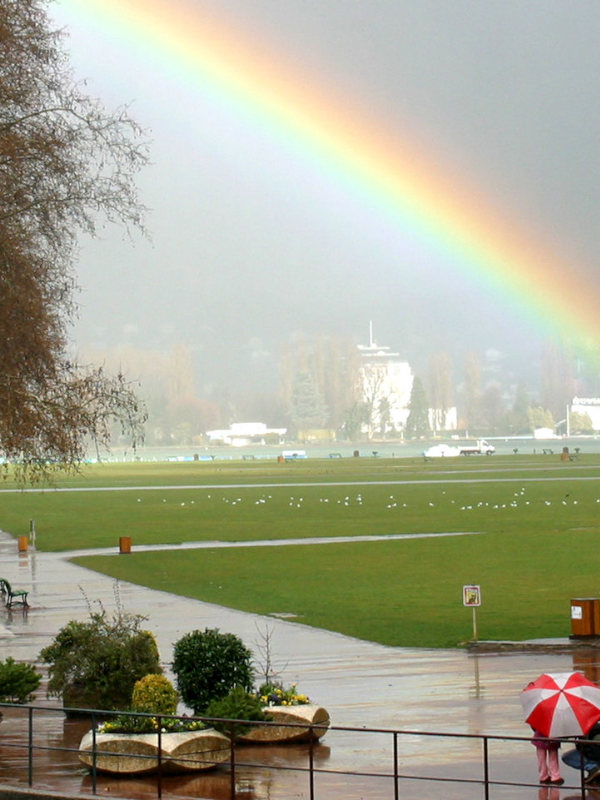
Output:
(431, 166)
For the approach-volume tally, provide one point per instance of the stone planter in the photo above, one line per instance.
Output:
(137, 753)
(304, 715)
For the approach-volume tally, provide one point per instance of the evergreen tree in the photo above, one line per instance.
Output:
(356, 416)
(417, 424)
(308, 407)
(516, 420)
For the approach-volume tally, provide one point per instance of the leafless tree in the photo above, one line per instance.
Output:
(372, 380)
(266, 667)
(65, 164)
(440, 387)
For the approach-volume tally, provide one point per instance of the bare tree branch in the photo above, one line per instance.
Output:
(65, 163)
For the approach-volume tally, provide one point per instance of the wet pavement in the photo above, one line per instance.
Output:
(363, 685)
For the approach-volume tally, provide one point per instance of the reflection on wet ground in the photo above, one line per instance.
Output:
(363, 685)
(427, 766)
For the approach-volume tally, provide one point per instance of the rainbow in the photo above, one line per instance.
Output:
(441, 212)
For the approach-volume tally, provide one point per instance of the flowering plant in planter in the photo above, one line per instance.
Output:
(130, 723)
(155, 700)
(274, 694)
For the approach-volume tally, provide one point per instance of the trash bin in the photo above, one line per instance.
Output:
(585, 617)
(125, 544)
(22, 544)
(586, 660)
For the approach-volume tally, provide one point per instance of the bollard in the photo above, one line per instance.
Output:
(125, 544)
(22, 544)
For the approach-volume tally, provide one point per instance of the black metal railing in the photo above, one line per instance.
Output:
(381, 762)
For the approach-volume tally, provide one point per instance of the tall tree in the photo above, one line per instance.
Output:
(492, 409)
(472, 392)
(65, 163)
(516, 420)
(558, 379)
(308, 407)
(440, 387)
(373, 380)
(332, 364)
(540, 417)
(417, 424)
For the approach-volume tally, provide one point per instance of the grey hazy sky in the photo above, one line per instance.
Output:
(251, 243)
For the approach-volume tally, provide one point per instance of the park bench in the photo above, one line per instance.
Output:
(12, 596)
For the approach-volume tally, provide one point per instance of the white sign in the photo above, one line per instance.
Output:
(471, 595)
(576, 612)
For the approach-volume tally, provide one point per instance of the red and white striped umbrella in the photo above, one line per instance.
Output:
(561, 704)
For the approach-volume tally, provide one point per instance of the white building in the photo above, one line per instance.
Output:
(244, 433)
(386, 384)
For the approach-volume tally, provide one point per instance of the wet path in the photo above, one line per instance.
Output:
(361, 684)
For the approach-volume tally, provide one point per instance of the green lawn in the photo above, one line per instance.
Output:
(536, 521)
(395, 592)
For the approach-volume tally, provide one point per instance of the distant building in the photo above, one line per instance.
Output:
(589, 406)
(245, 433)
(544, 433)
(385, 385)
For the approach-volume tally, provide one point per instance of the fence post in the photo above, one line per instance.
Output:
(395, 765)
(486, 769)
(160, 763)
(30, 749)
(94, 753)
(232, 761)
(311, 764)
(582, 775)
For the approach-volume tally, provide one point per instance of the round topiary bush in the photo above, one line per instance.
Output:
(154, 694)
(208, 665)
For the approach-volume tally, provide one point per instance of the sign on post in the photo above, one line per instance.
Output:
(472, 597)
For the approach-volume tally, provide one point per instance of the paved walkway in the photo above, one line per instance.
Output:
(362, 684)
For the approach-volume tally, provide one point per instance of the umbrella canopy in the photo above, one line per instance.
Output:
(561, 704)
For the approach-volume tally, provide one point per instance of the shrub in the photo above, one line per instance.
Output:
(17, 681)
(154, 694)
(208, 665)
(95, 664)
(238, 704)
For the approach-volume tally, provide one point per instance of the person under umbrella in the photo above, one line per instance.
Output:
(559, 705)
(547, 759)
(586, 755)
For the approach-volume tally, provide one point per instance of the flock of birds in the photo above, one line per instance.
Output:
(294, 501)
